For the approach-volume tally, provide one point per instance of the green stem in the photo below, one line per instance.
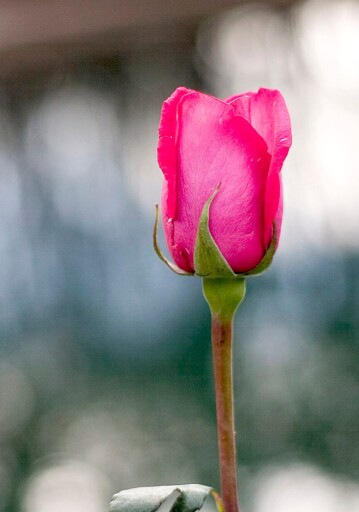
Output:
(223, 297)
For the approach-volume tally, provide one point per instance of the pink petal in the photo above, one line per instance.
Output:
(216, 146)
(241, 104)
(166, 150)
(268, 114)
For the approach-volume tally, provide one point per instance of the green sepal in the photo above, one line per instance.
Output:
(267, 258)
(208, 259)
(175, 268)
(182, 498)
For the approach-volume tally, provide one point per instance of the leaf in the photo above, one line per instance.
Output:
(187, 498)
(175, 268)
(208, 259)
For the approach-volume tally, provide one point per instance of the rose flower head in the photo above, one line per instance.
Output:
(221, 162)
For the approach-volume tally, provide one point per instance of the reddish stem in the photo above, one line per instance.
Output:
(222, 359)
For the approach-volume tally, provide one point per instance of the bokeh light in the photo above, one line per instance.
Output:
(303, 488)
(69, 486)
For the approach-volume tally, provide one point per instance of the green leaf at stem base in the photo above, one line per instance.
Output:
(181, 498)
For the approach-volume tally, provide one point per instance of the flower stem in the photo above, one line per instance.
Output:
(223, 375)
(223, 297)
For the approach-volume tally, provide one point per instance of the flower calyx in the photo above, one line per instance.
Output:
(209, 262)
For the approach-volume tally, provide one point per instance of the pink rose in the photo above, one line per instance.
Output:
(238, 144)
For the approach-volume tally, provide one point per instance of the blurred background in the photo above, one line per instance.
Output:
(105, 358)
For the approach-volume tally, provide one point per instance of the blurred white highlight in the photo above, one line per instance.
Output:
(243, 47)
(302, 488)
(329, 39)
(78, 131)
(70, 487)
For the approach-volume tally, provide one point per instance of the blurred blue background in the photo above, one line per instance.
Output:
(105, 358)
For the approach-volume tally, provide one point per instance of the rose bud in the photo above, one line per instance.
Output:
(221, 162)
